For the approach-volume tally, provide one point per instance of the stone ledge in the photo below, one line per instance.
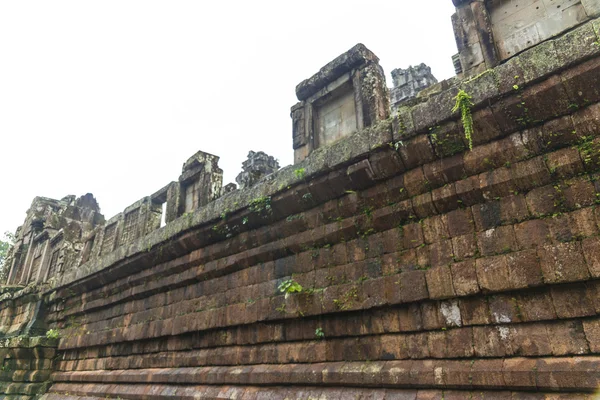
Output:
(536, 374)
(64, 391)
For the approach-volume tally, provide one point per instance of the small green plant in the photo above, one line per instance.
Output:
(289, 286)
(261, 205)
(319, 334)
(53, 334)
(300, 173)
(397, 145)
(464, 104)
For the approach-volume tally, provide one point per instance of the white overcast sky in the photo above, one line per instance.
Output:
(111, 97)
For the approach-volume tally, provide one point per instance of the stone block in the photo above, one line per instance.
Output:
(487, 215)
(391, 241)
(464, 278)
(392, 216)
(563, 262)
(441, 253)
(591, 251)
(464, 247)
(578, 192)
(591, 329)
(488, 343)
(423, 205)
(539, 61)
(485, 126)
(492, 274)
(532, 138)
(519, 373)
(582, 223)
(497, 183)
(415, 182)
(545, 100)
(469, 191)
(509, 114)
(416, 151)
(488, 374)
(396, 190)
(531, 234)
(586, 121)
(437, 109)
(531, 173)
(475, 311)
(445, 198)
(524, 269)
(564, 163)
(445, 170)
(435, 229)
(386, 164)
(558, 133)
(504, 309)
(413, 286)
(573, 301)
(403, 126)
(432, 316)
(459, 222)
(582, 83)
(545, 200)
(513, 209)
(417, 346)
(460, 343)
(530, 340)
(410, 319)
(536, 306)
(447, 139)
(361, 175)
(439, 283)
(497, 240)
(412, 236)
(567, 338)
(578, 44)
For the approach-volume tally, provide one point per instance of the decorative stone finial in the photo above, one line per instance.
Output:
(258, 165)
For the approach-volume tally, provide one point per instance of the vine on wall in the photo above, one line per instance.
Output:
(464, 104)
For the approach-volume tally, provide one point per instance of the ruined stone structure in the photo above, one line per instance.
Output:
(257, 166)
(416, 268)
(409, 82)
(345, 96)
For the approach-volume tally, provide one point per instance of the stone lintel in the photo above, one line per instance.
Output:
(356, 57)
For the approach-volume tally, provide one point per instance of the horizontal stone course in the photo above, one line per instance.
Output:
(540, 374)
(65, 391)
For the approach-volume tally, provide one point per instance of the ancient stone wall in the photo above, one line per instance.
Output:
(491, 31)
(27, 364)
(420, 268)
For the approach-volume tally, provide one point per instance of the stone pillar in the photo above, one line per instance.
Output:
(200, 181)
(474, 36)
(258, 165)
(345, 96)
(488, 32)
